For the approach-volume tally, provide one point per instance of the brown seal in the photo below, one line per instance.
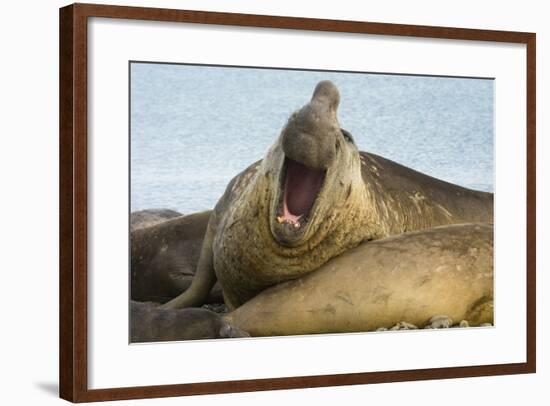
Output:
(408, 278)
(164, 257)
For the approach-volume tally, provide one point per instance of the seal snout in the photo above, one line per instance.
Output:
(311, 133)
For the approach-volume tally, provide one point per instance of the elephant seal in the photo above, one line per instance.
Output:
(408, 278)
(148, 323)
(164, 257)
(395, 283)
(313, 197)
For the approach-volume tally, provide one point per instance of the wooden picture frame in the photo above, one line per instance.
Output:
(74, 201)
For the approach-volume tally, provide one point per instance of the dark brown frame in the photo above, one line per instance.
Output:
(73, 201)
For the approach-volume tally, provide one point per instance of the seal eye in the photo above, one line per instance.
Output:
(347, 136)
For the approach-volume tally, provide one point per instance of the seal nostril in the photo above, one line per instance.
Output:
(327, 93)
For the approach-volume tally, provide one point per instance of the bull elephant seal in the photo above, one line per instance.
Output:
(402, 281)
(409, 278)
(313, 197)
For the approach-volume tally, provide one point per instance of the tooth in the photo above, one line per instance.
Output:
(297, 225)
(280, 219)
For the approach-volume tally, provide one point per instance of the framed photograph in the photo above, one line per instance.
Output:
(253, 202)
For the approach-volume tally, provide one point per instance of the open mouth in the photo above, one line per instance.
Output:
(301, 186)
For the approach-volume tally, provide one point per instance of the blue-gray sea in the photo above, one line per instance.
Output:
(195, 127)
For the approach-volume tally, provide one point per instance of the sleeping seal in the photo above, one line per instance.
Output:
(410, 278)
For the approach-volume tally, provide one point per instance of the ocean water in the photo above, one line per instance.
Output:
(195, 127)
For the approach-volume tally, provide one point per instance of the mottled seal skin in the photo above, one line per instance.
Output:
(149, 324)
(164, 257)
(410, 277)
(410, 200)
(252, 243)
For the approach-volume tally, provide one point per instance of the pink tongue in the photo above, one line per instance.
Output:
(302, 185)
